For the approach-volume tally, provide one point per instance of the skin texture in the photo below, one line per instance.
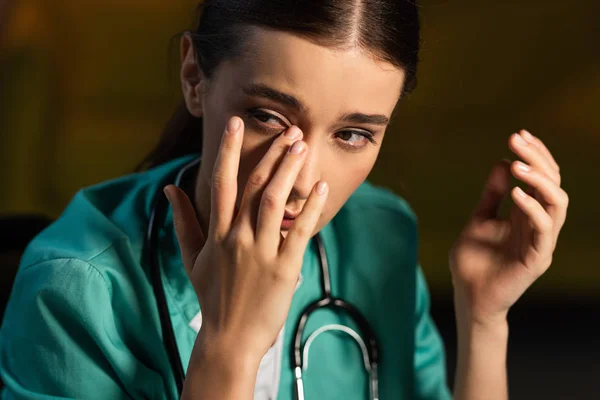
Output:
(245, 277)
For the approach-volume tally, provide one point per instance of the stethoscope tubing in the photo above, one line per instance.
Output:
(157, 216)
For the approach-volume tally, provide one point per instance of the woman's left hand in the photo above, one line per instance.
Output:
(495, 260)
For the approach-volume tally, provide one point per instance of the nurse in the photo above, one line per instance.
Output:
(286, 105)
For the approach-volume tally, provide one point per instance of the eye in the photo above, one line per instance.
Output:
(355, 139)
(267, 120)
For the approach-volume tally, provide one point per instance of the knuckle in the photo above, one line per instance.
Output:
(257, 179)
(542, 267)
(237, 240)
(302, 230)
(270, 199)
(219, 237)
(557, 178)
(281, 144)
(281, 274)
(218, 180)
(546, 225)
(564, 199)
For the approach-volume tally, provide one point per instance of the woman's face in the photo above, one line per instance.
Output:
(341, 100)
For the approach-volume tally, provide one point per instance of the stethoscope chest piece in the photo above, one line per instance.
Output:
(369, 347)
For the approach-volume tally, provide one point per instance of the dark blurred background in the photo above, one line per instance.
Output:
(85, 89)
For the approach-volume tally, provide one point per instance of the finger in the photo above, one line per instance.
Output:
(554, 199)
(542, 147)
(187, 228)
(262, 175)
(302, 229)
(272, 203)
(224, 178)
(532, 156)
(495, 190)
(542, 240)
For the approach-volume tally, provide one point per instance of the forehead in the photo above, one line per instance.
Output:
(326, 80)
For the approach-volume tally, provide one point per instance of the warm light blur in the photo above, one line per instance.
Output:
(86, 87)
(86, 90)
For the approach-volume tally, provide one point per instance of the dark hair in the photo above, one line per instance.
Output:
(389, 29)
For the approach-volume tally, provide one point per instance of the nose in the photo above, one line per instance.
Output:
(310, 173)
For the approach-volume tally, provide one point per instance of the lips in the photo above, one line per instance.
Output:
(291, 214)
(288, 219)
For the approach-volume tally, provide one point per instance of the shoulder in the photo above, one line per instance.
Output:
(372, 197)
(376, 210)
(62, 314)
(375, 230)
(100, 219)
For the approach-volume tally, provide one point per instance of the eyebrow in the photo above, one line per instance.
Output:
(359, 118)
(262, 90)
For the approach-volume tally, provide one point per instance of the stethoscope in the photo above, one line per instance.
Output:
(299, 359)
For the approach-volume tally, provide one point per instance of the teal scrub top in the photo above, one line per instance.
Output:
(82, 320)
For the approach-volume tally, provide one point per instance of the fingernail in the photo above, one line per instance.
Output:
(166, 192)
(523, 167)
(520, 141)
(321, 187)
(528, 136)
(521, 193)
(297, 147)
(292, 133)
(233, 125)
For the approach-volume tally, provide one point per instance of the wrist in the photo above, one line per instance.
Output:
(219, 370)
(227, 354)
(482, 323)
(471, 316)
(488, 331)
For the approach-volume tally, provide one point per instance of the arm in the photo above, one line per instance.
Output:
(60, 338)
(481, 364)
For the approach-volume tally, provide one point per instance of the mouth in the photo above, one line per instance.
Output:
(291, 214)
(288, 219)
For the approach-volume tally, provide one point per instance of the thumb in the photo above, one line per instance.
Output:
(496, 188)
(187, 228)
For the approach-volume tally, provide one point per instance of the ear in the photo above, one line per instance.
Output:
(192, 79)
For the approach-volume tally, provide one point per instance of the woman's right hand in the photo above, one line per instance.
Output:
(244, 272)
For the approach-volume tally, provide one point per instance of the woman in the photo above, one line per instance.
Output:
(287, 104)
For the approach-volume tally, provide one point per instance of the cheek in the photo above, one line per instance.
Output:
(344, 181)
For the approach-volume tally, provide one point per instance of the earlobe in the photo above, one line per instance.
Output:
(191, 77)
